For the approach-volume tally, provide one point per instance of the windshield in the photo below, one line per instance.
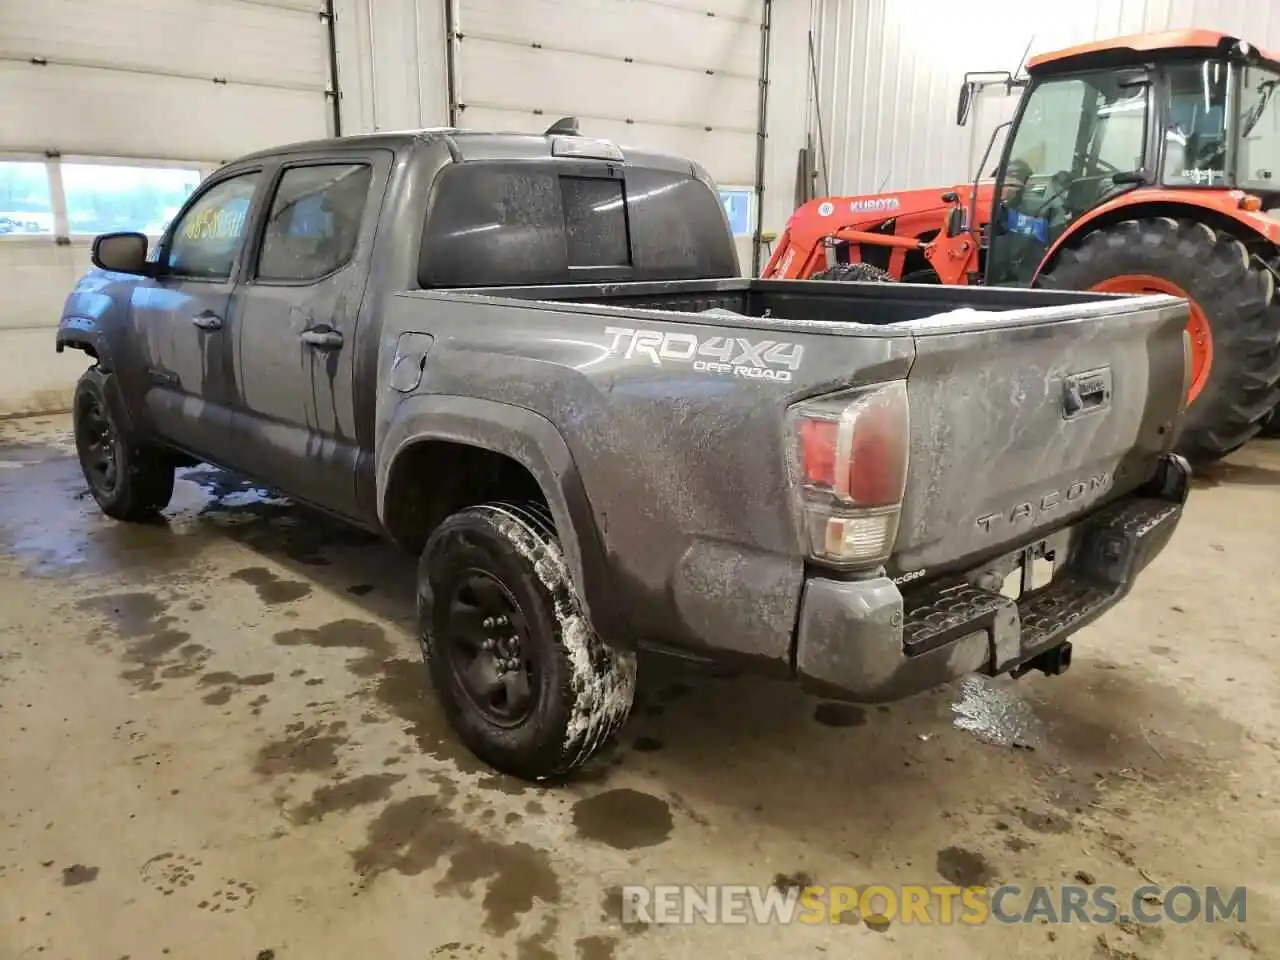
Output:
(1258, 166)
(1074, 136)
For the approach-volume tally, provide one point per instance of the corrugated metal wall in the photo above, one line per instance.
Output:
(888, 73)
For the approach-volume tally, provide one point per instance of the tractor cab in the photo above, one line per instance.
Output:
(1189, 111)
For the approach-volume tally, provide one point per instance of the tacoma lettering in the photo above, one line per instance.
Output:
(1029, 510)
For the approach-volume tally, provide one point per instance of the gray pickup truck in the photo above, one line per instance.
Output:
(530, 360)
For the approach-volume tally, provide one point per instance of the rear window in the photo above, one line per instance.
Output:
(506, 223)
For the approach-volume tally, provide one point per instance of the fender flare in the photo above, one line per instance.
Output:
(84, 333)
(534, 442)
(1161, 203)
(106, 382)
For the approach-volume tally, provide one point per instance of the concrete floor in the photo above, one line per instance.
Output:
(215, 743)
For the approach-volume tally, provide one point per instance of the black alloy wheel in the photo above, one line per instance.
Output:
(488, 648)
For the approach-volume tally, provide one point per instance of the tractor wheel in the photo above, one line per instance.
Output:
(923, 275)
(854, 272)
(1234, 325)
(1271, 425)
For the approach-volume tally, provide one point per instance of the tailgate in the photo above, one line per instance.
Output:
(1023, 420)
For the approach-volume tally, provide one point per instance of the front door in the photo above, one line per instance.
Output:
(184, 318)
(295, 336)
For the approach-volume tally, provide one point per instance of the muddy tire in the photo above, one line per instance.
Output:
(1238, 317)
(522, 676)
(1271, 425)
(853, 272)
(128, 480)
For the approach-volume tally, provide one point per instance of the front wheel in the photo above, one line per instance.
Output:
(1234, 325)
(128, 481)
(521, 675)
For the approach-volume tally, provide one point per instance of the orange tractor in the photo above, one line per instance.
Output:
(1135, 165)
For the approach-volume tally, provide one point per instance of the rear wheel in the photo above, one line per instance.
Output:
(521, 675)
(853, 272)
(1234, 324)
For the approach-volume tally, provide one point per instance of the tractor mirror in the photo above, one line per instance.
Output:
(955, 222)
(964, 102)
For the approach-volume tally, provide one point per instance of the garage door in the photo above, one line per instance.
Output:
(674, 75)
(109, 116)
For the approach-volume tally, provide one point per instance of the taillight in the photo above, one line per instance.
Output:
(818, 439)
(851, 453)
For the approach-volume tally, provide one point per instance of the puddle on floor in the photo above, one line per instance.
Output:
(996, 714)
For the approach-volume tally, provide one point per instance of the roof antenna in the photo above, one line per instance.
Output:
(565, 127)
(1023, 62)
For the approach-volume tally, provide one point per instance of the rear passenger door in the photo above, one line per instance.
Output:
(297, 312)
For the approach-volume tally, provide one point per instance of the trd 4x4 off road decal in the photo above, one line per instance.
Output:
(735, 356)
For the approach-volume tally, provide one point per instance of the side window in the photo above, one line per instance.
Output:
(1195, 145)
(208, 237)
(314, 221)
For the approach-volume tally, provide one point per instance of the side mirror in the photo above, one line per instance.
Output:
(964, 102)
(955, 222)
(120, 252)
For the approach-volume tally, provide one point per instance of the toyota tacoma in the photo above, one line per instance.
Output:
(531, 361)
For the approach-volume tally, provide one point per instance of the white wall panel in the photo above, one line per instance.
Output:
(709, 117)
(654, 73)
(504, 75)
(646, 31)
(888, 80)
(98, 112)
(391, 64)
(203, 79)
(731, 153)
(670, 75)
(194, 80)
(37, 276)
(393, 74)
(256, 42)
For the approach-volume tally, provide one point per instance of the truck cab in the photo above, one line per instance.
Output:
(249, 335)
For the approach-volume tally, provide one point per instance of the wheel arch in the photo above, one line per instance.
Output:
(83, 334)
(1259, 234)
(439, 454)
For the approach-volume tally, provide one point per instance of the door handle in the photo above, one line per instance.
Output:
(207, 320)
(322, 338)
(1086, 392)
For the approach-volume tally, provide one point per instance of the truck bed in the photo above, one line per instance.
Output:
(800, 301)
(1027, 413)
(995, 458)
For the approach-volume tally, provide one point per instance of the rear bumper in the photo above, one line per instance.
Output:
(860, 640)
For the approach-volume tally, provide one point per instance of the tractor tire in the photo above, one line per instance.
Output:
(1271, 425)
(1235, 319)
(854, 272)
(924, 275)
